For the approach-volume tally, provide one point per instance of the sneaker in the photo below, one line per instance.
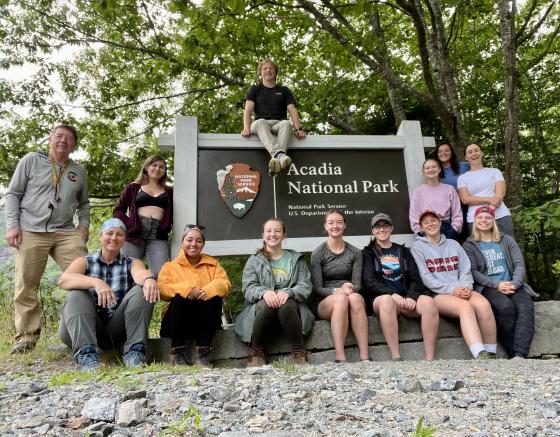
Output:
(256, 357)
(300, 356)
(274, 167)
(135, 356)
(178, 357)
(285, 161)
(202, 356)
(22, 347)
(88, 359)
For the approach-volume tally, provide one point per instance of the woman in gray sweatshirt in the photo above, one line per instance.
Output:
(446, 270)
(498, 270)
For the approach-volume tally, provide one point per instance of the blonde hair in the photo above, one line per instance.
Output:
(494, 233)
(263, 249)
(267, 61)
(142, 177)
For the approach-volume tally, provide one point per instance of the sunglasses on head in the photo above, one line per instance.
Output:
(193, 226)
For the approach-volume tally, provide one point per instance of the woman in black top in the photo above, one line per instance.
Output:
(392, 286)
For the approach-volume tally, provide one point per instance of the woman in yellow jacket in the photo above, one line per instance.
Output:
(194, 284)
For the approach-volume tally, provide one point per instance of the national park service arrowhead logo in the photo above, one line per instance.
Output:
(238, 186)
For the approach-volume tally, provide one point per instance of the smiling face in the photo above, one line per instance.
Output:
(473, 154)
(444, 153)
(62, 143)
(156, 170)
(273, 234)
(268, 71)
(484, 222)
(112, 240)
(335, 225)
(192, 244)
(382, 231)
(431, 225)
(431, 169)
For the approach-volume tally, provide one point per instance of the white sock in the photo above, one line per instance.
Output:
(476, 349)
(492, 348)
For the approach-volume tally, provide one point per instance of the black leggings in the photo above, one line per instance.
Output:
(198, 319)
(268, 321)
(515, 319)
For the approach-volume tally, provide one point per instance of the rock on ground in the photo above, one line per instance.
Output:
(457, 398)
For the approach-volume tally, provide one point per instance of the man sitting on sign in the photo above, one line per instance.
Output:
(269, 102)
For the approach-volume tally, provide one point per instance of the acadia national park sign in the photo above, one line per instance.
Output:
(222, 182)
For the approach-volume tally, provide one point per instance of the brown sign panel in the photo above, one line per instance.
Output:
(359, 182)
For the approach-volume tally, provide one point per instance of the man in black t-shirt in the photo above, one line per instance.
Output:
(269, 102)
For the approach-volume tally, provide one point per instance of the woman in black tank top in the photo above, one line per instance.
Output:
(146, 207)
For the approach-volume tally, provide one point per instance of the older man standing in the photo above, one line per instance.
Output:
(46, 191)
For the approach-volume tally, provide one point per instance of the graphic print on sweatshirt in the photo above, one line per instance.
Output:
(447, 264)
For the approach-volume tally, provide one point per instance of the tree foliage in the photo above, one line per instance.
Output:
(122, 69)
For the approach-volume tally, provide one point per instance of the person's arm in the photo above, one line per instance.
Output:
(14, 194)
(428, 278)
(83, 209)
(500, 190)
(219, 285)
(456, 212)
(317, 275)
(252, 288)
(169, 284)
(357, 267)
(518, 273)
(415, 286)
(122, 206)
(74, 277)
(470, 200)
(247, 115)
(301, 290)
(465, 276)
(144, 277)
(414, 211)
(294, 116)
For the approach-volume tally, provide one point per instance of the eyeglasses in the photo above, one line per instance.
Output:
(192, 226)
(383, 226)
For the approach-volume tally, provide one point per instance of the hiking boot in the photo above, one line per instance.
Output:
(274, 167)
(23, 347)
(202, 356)
(285, 161)
(135, 357)
(178, 357)
(299, 356)
(256, 357)
(88, 359)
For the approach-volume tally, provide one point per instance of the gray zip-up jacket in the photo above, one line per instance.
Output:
(514, 261)
(443, 266)
(30, 194)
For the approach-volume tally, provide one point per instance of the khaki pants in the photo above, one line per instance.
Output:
(31, 260)
(266, 129)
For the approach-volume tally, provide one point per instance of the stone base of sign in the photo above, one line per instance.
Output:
(229, 351)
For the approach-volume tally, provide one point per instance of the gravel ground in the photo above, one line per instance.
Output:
(457, 398)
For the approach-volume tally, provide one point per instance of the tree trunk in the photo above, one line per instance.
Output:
(507, 12)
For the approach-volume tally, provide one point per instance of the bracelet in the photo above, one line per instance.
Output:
(151, 277)
(299, 129)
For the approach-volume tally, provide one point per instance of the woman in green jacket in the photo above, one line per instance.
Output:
(276, 284)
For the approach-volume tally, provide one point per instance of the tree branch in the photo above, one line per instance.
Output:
(535, 28)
